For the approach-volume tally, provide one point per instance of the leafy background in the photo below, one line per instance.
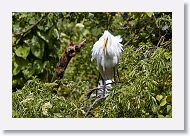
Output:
(145, 67)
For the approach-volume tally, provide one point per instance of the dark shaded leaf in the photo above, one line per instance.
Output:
(43, 36)
(37, 47)
(28, 71)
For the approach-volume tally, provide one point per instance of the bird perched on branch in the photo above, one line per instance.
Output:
(107, 51)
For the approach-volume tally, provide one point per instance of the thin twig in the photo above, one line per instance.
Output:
(126, 43)
(97, 88)
(92, 90)
(96, 100)
(161, 40)
(131, 37)
(29, 29)
(94, 103)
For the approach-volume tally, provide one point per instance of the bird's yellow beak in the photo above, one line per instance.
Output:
(105, 45)
(105, 42)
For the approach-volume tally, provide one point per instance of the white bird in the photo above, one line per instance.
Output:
(107, 51)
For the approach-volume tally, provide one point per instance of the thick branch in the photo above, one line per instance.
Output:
(69, 52)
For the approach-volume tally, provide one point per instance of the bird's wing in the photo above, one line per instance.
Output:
(96, 50)
(118, 38)
(117, 47)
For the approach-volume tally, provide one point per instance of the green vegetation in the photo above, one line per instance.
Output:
(145, 68)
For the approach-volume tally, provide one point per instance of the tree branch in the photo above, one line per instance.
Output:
(69, 52)
(29, 29)
(94, 103)
(97, 88)
(97, 100)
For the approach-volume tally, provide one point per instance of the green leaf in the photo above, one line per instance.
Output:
(85, 32)
(14, 82)
(32, 21)
(48, 25)
(169, 108)
(79, 25)
(168, 116)
(18, 65)
(163, 101)
(23, 51)
(55, 33)
(38, 66)
(154, 109)
(160, 116)
(16, 28)
(37, 47)
(16, 68)
(169, 99)
(159, 97)
(46, 64)
(28, 71)
(13, 40)
(149, 14)
(43, 36)
(167, 55)
(57, 115)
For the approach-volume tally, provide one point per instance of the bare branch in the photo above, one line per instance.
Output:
(97, 88)
(69, 52)
(160, 41)
(126, 43)
(94, 103)
(29, 29)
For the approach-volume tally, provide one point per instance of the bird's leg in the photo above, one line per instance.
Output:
(98, 83)
(98, 79)
(104, 88)
(116, 74)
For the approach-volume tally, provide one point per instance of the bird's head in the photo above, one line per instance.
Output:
(107, 40)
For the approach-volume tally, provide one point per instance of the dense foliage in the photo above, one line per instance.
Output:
(39, 39)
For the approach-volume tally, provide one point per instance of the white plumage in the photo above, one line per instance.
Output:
(107, 56)
(106, 51)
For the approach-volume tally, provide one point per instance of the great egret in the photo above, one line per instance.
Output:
(107, 51)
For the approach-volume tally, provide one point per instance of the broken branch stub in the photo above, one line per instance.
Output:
(69, 52)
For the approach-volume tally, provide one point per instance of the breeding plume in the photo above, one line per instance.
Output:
(107, 51)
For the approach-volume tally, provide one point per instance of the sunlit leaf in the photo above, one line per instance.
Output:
(23, 51)
(169, 107)
(56, 33)
(16, 68)
(159, 97)
(163, 101)
(149, 14)
(161, 116)
(43, 36)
